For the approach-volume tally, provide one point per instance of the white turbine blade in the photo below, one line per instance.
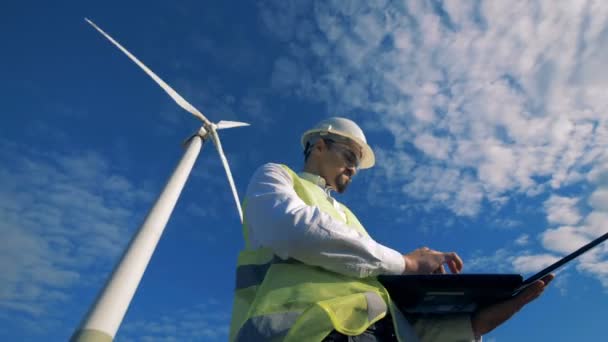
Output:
(174, 95)
(220, 150)
(223, 124)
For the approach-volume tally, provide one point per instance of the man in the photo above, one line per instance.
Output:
(308, 270)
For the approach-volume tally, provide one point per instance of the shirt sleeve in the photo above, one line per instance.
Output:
(278, 219)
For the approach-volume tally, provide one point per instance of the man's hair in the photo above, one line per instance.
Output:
(308, 148)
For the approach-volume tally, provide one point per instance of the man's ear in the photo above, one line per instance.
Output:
(319, 146)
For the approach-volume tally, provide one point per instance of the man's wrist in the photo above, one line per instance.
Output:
(409, 265)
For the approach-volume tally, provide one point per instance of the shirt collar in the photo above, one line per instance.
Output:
(315, 179)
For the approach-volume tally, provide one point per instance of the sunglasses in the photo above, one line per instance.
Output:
(350, 158)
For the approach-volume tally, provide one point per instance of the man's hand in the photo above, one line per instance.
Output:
(427, 261)
(488, 318)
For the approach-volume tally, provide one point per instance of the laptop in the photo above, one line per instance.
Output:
(464, 293)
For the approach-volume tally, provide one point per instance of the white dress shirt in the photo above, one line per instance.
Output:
(278, 219)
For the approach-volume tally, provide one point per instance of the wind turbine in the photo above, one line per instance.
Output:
(106, 314)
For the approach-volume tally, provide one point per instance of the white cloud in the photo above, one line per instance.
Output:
(599, 199)
(533, 263)
(285, 73)
(522, 240)
(61, 215)
(203, 322)
(561, 283)
(509, 93)
(505, 260)
(564, 239)
(562, 210)
(599, 174)
(567, 239)
(595, 263)
(498, 262)
(432, 146)
(595, 224)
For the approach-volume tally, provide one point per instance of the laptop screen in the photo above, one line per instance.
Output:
(564, 260)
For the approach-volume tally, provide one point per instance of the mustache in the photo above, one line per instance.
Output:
(349, 173)
(339, 178)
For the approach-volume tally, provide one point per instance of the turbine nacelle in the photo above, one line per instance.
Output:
(223, 124)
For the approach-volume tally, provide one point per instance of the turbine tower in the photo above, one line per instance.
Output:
(106, 314)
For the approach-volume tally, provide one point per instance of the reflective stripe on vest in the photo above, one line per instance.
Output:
(267, 327)
(375, 305)
(253, 275)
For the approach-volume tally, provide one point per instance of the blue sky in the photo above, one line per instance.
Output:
(488, 119)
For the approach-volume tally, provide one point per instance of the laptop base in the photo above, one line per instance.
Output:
(449, 293)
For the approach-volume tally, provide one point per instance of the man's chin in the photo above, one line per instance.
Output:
(342, 186)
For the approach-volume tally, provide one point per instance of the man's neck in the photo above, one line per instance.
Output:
(311, 168)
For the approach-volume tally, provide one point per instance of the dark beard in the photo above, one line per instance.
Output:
(340, 185)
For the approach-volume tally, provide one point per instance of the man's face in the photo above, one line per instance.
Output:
(339, 162)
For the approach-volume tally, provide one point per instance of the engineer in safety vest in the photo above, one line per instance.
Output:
(308, 270)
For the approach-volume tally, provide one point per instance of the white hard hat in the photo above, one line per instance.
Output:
(345, 128)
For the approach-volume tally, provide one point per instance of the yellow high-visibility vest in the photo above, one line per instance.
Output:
(286, 300)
